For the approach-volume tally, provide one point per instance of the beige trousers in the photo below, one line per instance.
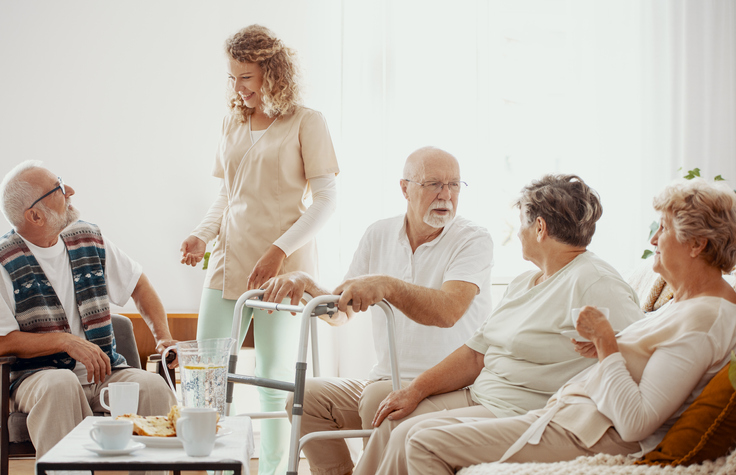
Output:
(392, 433)
(56, 402)
(457, 439)
(337, 404)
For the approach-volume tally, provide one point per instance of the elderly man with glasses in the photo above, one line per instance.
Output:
(57, 277)
(432, 266)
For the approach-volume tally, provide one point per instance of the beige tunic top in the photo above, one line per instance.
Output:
(267, 188)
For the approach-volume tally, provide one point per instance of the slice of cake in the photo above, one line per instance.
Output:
(151, 426)
(157, 426)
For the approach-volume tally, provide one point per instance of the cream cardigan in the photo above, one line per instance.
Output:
(664, 363)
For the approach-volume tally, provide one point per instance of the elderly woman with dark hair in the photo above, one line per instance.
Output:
(518, 358)
(645, 376)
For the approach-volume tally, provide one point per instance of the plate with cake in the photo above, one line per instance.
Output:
(160, 431)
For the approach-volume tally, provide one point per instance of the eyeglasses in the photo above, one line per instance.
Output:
(436, 186)
(60, 187)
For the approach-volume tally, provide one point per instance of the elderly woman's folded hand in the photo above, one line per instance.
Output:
(585, 349)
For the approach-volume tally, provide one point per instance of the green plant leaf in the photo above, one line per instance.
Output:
(653, 229)
(692, 173)
(732, 370)
(206, 260)
(719, 178)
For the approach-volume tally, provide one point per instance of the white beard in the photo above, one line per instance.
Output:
(59, 222)
(437, 221)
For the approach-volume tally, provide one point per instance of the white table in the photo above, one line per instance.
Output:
(231, 452)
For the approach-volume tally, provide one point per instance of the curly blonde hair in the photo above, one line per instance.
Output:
(280, 92)
(568, 206)
(703, 210)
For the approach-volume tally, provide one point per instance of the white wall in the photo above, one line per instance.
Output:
(125, 100)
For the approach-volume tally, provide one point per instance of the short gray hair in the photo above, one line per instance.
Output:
(17, 195)
(568, 206)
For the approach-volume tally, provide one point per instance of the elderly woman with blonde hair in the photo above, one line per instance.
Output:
(274, 153)
(645, 376)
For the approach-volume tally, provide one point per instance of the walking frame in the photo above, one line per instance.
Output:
(322, 305)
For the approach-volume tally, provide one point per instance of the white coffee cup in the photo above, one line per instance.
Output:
(576, 313)
(123, 398)
(196, 428)
(111, 434)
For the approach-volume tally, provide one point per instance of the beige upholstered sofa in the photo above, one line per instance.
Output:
(652, 293)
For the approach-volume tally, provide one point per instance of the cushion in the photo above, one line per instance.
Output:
(705, 431)
(17, 428)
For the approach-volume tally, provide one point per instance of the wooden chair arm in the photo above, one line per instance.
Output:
(7, 360)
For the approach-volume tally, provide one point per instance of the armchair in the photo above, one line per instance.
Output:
(14, 438)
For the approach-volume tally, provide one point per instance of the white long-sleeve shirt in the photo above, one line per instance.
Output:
(324, 201)
(691, 341)
(664, 362)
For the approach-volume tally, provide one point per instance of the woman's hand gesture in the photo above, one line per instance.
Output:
(192, 250)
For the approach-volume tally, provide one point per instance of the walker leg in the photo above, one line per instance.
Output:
(296, 418)
(232, 364)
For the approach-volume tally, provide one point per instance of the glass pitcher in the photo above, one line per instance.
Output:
(203, 368)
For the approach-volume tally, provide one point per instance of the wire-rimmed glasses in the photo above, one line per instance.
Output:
(437, 186)
(59, 187)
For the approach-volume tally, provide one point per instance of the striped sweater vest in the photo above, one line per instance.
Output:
(37, 307)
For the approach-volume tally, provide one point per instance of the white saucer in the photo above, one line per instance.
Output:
(132, 447)
(574, 334)
(169, 442)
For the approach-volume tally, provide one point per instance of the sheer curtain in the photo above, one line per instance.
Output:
(690, 84)
(620, 93)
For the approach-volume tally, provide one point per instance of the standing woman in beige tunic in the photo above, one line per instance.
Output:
(273, 153)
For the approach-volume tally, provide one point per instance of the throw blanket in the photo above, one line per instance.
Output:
(602, 464)
(660, 294)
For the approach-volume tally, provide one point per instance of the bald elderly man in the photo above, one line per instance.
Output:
(63, 270)
(432, 266)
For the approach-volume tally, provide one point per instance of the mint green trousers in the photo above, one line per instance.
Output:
(276, 340)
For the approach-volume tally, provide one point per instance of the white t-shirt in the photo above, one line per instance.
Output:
(121, 275)
(526, 358)
(462, 252)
